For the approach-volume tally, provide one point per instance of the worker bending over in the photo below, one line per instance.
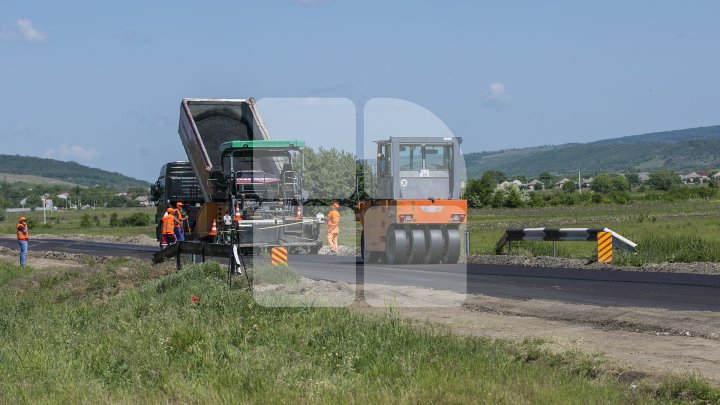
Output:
(168, 225)
(333, 227)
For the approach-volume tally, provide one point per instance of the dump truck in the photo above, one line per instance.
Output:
(416, 212)
(250, 186)
(177, 183)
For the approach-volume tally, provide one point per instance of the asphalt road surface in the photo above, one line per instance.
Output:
(595, 287)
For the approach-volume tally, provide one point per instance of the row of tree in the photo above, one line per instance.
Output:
(31, 195)
(606, 187)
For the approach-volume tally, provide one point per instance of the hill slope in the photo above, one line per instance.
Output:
(70, 172)
(683, 150)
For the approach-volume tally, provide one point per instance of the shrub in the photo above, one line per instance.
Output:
(114, 220)
(85, 221)
(136, 219)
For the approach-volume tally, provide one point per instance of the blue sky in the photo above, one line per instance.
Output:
(101, 82)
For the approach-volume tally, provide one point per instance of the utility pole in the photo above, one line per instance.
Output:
(44, 201)
(579, 182)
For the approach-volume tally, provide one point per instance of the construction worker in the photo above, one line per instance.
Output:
(333, 227)
(23, 235)
(168, 225)
(179, 231)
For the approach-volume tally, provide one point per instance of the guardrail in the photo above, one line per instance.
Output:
(560, 235)
(202, 249)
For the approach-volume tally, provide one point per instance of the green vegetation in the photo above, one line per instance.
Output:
(30, 196)
(686, 150)
(665, 232)
(111, 333)
(70, 172)
(30, 179)
(101, 221)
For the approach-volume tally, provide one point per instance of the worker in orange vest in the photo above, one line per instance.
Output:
(168, 225)
(333, 227)
(22, 236)
(179, 232)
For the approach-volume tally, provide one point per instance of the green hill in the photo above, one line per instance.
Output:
(682, 150)
(69, 172)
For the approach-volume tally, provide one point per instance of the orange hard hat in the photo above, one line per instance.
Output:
(23, 219)
(179, 204)
(170, 210)
(336, 205)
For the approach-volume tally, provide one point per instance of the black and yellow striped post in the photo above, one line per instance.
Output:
(604, 247)
(279, 256)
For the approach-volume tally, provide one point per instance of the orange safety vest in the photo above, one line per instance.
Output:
(168, 222)
(333, 219)
(22, 232)
(179, 216)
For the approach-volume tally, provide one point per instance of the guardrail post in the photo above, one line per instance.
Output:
(178, 259)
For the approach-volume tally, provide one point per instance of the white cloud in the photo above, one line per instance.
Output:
(497, 96)
(23, 31)
(72, 152)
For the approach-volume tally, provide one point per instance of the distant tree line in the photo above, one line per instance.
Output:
(606, 188)
(13, 194)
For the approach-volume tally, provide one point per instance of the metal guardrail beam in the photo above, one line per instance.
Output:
(562, 234)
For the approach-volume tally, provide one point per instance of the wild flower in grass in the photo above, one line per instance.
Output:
(165, 343)
(195, 299)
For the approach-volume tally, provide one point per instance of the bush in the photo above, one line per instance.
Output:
(85, 221)
(136, 219)
(114, 220)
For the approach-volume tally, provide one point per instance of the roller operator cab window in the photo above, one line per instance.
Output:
(425, 157)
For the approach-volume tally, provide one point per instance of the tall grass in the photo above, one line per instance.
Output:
(85, 337)
(671, 249)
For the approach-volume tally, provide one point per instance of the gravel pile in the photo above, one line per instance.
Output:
(55, 255)
(133, 240)
(342, 251)
(557, 262)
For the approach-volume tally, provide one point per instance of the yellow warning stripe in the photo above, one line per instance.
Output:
(278, 256)
(605, 259)
(605, 247)
(604, 250)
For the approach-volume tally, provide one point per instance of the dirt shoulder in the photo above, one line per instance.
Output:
(637, 341)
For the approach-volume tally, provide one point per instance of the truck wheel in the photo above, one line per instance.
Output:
(418, 247)
(396, 246)
(451, 251)
(434, 238)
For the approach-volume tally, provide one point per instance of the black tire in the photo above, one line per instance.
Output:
(434, 239)
(451, 249)
(396, 246)
(418, 247)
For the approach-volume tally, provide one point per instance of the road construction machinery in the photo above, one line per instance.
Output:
(177, 183)
(416, 214)
(250, 186)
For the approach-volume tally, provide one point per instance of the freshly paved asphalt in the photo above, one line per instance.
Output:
(606, 288)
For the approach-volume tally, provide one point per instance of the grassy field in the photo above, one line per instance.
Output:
(63, 222)
(30, 179)
(679, 232)
(130, 332)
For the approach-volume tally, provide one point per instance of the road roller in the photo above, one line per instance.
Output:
(414, 213)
